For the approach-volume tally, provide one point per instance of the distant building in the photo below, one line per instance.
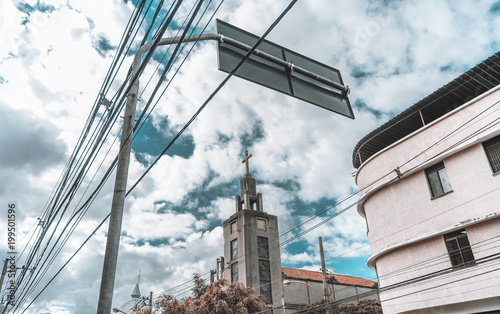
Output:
(305, 287)
(430, 193)
(251, 243)
(252, 256)
(128, 306)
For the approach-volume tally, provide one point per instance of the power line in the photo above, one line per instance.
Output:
(73, 227)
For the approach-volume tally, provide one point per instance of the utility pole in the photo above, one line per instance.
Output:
(323, 270)
(115, 220)
(4, 271)
(151, 302)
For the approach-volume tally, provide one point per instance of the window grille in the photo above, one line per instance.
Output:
(234, 272)
(263, 247)
(492, 148)
(234, 249)
(459, 248)
(265, 280)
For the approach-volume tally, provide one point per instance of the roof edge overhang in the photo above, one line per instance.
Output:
(472, 101)
(479, 79)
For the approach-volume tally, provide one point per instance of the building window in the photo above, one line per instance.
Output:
(438, 179)
(234, 272)
(234, 227)
(263, 247)
(261, 224)
(265, 280)
(234, 249)
(459, 248)
(492, 148)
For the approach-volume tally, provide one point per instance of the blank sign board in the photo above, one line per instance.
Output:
(279, 78)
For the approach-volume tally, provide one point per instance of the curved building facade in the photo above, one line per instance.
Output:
(430, 194)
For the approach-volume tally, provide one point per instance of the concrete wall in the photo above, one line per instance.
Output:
(298, 294)
(405, 224)
(455, 286)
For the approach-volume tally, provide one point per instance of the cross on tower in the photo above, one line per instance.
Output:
(245, 161)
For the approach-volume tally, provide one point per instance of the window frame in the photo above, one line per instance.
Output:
(443, 180)
(265, 283)
(492, 150)
(263, 247)
(234, 272)
(464, 251)
(233, 245)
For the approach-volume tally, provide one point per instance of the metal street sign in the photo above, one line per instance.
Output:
(283, 70)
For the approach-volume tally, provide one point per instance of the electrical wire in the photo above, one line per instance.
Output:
(425, 161)
(131, 189)
(200, 2)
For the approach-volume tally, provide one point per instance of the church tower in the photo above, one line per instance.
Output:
(251, 243)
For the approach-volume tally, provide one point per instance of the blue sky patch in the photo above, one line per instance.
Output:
(103, 46)
(28, 9)
(352, 266)
(151, 141)
(254, 136)
(359, 73)
(495, 8)
(362, 106)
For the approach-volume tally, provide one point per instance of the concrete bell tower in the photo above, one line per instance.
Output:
(251, 243)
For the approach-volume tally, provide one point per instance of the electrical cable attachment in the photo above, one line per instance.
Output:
(398, 172)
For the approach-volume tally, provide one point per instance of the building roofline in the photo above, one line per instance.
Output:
(309, 275)
(478, 80)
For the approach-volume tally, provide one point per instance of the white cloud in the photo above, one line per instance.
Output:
(52, 66)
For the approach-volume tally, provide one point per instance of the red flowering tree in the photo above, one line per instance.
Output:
(219, 297)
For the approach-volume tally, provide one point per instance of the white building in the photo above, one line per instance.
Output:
(430, 193)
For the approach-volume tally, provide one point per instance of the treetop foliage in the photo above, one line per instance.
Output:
(221, 297)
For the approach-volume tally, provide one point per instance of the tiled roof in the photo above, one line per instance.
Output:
(317, 276)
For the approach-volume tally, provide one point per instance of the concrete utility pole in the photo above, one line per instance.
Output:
(4, 271)
(115, 220)
(323, 270)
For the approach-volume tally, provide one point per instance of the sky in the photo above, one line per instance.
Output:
(55, 55)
